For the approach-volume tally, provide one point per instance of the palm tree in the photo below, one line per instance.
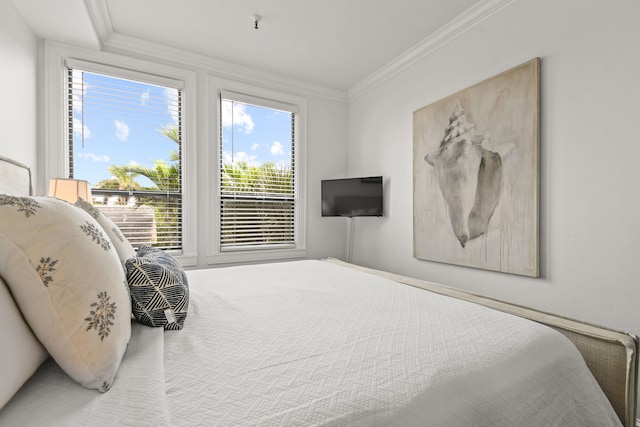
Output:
(165, 177)
(266, 179)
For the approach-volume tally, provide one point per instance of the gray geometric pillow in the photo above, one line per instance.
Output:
(158, 287)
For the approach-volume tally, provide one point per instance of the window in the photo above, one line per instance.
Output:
(125, 138)
(258, 174)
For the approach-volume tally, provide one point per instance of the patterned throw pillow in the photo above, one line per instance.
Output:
(67, 280)
(158, 287)
(119, 242)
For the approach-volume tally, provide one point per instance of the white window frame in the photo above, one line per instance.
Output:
(260, 96)
(54, 143)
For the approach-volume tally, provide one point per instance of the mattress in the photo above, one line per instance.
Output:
(309, 343)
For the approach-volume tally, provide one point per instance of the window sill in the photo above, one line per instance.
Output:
(187, 260)
(237, 257)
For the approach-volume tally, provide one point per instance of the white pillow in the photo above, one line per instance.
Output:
(122, 245)
(67, 280)
(20, 351)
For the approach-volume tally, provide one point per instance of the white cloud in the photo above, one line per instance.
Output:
(240, 157)
(255, 146)
(144, 96)
(93, 157)
(79, 129)
(276, 149)
(122, 130)
(236, 115)
(171, 95)
(79, 90)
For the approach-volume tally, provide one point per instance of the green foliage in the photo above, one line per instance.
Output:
(165, 176)
(115, 184)
(267, 179)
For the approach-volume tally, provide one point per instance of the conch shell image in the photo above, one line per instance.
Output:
(469, 176)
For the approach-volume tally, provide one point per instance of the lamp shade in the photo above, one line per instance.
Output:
(70, 189)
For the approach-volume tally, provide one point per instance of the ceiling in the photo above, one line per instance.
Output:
(330, 43)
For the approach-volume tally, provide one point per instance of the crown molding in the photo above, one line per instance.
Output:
(125, 45)
(114, 42)
(100, 19)
(454, 28)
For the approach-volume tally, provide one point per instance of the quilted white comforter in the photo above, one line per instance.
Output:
(309, 343)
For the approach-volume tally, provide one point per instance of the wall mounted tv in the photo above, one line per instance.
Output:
(352, 197)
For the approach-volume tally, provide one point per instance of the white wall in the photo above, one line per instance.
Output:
(326, 158)
(590, 152)
(18, 83)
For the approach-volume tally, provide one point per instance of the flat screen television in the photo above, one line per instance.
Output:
(352, 197)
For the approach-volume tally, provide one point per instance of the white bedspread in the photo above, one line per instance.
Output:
(312, 343)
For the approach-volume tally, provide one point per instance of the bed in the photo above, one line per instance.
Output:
(312, 343)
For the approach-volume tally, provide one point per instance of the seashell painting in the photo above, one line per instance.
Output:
(469, 177)
(476, 175)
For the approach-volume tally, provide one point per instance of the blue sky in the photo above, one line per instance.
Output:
(120, 120)
(259, 134)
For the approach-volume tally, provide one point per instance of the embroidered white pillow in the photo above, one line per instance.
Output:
(67, 280)
(120, 243)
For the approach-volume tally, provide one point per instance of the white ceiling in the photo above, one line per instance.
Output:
(330, 43)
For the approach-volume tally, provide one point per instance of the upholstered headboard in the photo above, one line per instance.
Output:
(19, 360)
(15, 178)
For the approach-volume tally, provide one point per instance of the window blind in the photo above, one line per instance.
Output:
(257, 192)
(125, 138)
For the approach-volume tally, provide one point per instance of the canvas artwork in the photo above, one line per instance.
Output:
(475, 163)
